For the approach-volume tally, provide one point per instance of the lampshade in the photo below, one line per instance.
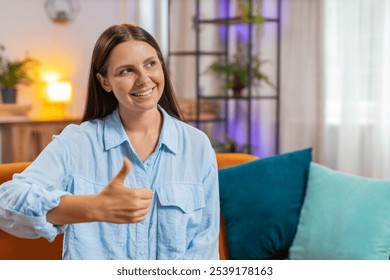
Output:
(59, 92)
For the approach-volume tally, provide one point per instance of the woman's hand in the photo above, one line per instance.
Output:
(114, 204)
(121, 204)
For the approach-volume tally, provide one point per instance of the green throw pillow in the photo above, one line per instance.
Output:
(261, 201)
(344, 217)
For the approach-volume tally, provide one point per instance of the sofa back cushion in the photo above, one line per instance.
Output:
(261, 201)
(344, 217)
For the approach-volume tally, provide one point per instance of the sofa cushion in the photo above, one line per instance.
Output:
(261, 201)
(343, 217)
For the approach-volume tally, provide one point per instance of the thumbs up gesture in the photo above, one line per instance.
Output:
(121, 204)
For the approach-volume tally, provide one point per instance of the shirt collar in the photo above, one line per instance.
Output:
(114, 133)
(169, 132)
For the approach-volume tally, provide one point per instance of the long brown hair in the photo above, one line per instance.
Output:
(100, 104)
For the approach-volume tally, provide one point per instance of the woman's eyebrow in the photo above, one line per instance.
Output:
(123, 66)
(150, 58)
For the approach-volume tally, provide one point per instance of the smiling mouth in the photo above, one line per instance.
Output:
(144, 93)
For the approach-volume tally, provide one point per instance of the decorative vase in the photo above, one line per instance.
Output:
(8, 95)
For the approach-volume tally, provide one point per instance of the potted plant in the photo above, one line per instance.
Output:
(231, 146)
(236, 73)
(13, 73)
(248, 11)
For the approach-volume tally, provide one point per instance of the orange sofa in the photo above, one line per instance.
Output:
(14, 248)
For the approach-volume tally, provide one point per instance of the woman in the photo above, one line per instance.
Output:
(132, 181)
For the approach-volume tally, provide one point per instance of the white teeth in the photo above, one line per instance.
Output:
(145, 93)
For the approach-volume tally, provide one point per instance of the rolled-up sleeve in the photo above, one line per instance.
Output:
(26, 199)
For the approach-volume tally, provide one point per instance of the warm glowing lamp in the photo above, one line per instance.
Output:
(59, 92)
(58, 95)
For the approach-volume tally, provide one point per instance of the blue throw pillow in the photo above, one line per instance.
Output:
(344, 217)
(261, 201)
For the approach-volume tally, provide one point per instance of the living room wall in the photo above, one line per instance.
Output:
(66, 49)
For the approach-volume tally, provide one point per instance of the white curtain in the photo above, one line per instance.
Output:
(357, 87)
(302, 76)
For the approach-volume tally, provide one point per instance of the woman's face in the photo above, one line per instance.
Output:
(135, 76)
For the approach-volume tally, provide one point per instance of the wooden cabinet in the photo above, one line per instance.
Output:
(23, 139)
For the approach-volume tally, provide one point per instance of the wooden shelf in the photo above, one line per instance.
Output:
(14, 110)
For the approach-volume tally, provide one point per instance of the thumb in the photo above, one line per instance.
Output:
(125, 170)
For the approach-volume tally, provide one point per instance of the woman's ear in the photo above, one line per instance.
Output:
(103, 82)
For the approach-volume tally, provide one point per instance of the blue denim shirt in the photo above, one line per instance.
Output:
(183, 221)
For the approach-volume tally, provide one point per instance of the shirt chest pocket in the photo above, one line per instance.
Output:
(183, 197)
(82, 186)
(179, 215)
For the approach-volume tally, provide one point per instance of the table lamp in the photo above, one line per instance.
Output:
(59, 94)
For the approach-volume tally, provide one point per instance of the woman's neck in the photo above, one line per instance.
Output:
(143, 131)
(145, 123)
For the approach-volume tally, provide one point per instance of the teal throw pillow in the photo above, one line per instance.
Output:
(344, 217)
(261, 201)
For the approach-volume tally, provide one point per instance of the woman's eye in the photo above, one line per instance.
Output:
(126, 71)
(151, 64)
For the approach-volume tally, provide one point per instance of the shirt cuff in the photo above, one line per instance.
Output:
(31, 222)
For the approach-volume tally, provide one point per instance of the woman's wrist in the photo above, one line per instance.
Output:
(74, 209)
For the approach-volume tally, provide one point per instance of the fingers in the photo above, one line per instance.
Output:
(141, 201)
(144, 194)
(131, 206)
(134, 216)
(125, 170)
(121, 204)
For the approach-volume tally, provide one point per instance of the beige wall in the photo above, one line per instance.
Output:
(66, 49)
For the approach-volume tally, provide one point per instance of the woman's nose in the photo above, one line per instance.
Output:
(143, 78)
